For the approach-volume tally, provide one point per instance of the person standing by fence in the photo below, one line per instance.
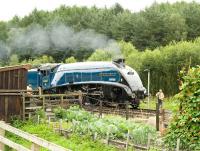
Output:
(29, 89)
(160, 95)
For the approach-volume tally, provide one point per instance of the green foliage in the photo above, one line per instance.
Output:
(70, 60)
(41, 60)
(101, 55)
(40, 113)
(14, 60)
(185, 124)
(164, 64)
(16, 122)
(84, 123)
(3, 31)
(60, 113)
(74, 142)
(168, 104)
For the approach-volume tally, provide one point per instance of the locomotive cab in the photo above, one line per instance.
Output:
(41, 76)
(34, 78)
(47, 72)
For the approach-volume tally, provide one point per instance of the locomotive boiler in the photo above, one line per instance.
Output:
(109, 81)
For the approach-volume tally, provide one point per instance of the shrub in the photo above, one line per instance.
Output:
(186, 123)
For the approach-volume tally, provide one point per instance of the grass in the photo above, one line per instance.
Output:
(168, 104)
(74, 142)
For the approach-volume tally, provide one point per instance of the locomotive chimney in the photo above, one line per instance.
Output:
(120, 61)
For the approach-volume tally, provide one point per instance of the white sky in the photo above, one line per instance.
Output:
(10, 8)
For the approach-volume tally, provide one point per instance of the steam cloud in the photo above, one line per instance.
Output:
(4, 50)
(57, 37)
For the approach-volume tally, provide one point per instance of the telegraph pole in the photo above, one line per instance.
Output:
(148, 87)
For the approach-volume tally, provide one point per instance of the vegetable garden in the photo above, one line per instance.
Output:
(86, 131)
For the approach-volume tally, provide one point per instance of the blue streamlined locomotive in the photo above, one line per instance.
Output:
(110, 81)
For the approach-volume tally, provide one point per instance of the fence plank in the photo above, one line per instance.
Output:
(6, 108)
(12, 144)
(35, 147)
(2, 133)
(177, 144)
(32, 138)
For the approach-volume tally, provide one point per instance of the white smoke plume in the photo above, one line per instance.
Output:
(39, 39)
(4, 50)
(34, 37)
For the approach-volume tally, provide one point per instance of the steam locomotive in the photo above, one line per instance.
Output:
(109, 81)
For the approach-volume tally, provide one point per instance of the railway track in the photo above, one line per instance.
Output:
(130, 113)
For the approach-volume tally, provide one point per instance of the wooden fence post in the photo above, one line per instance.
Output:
(60, 126)
(127, 110)
(162, 125)
(49, 121)
(157, 116)
(23, 106)
(149, 141)
(95, 136)
(43, 102)
(178, 144)
(127, 140)
(80, 98)
(35, 147)
(108, 136)
(162, 115)
(100, 111)
(61, 101)
(38, 119)
(40, 90)
(29, 115)
(2, 133)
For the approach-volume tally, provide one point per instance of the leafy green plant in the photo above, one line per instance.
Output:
(41, 113)
(60, 113)
(186, 122)
(84, 123)
(16, 122)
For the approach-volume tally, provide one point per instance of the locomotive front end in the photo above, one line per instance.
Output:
(133, 80)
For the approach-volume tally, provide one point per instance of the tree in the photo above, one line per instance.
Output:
(40, 60)
(4, 52)
(14, 60)
(127, 48)
(3, 31)
(70, 60)
(117, 8)
(100, 55)
(164, 63)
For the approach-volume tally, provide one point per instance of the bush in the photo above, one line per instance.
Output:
(186, 123)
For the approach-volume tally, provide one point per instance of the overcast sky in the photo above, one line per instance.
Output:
(10, 8)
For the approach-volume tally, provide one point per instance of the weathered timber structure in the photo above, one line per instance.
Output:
(13, 80)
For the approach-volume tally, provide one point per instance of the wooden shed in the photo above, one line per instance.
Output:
(13, 80)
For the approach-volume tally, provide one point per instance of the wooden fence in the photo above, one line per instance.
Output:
(37, 142)
(48, 101)
(11, 103)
